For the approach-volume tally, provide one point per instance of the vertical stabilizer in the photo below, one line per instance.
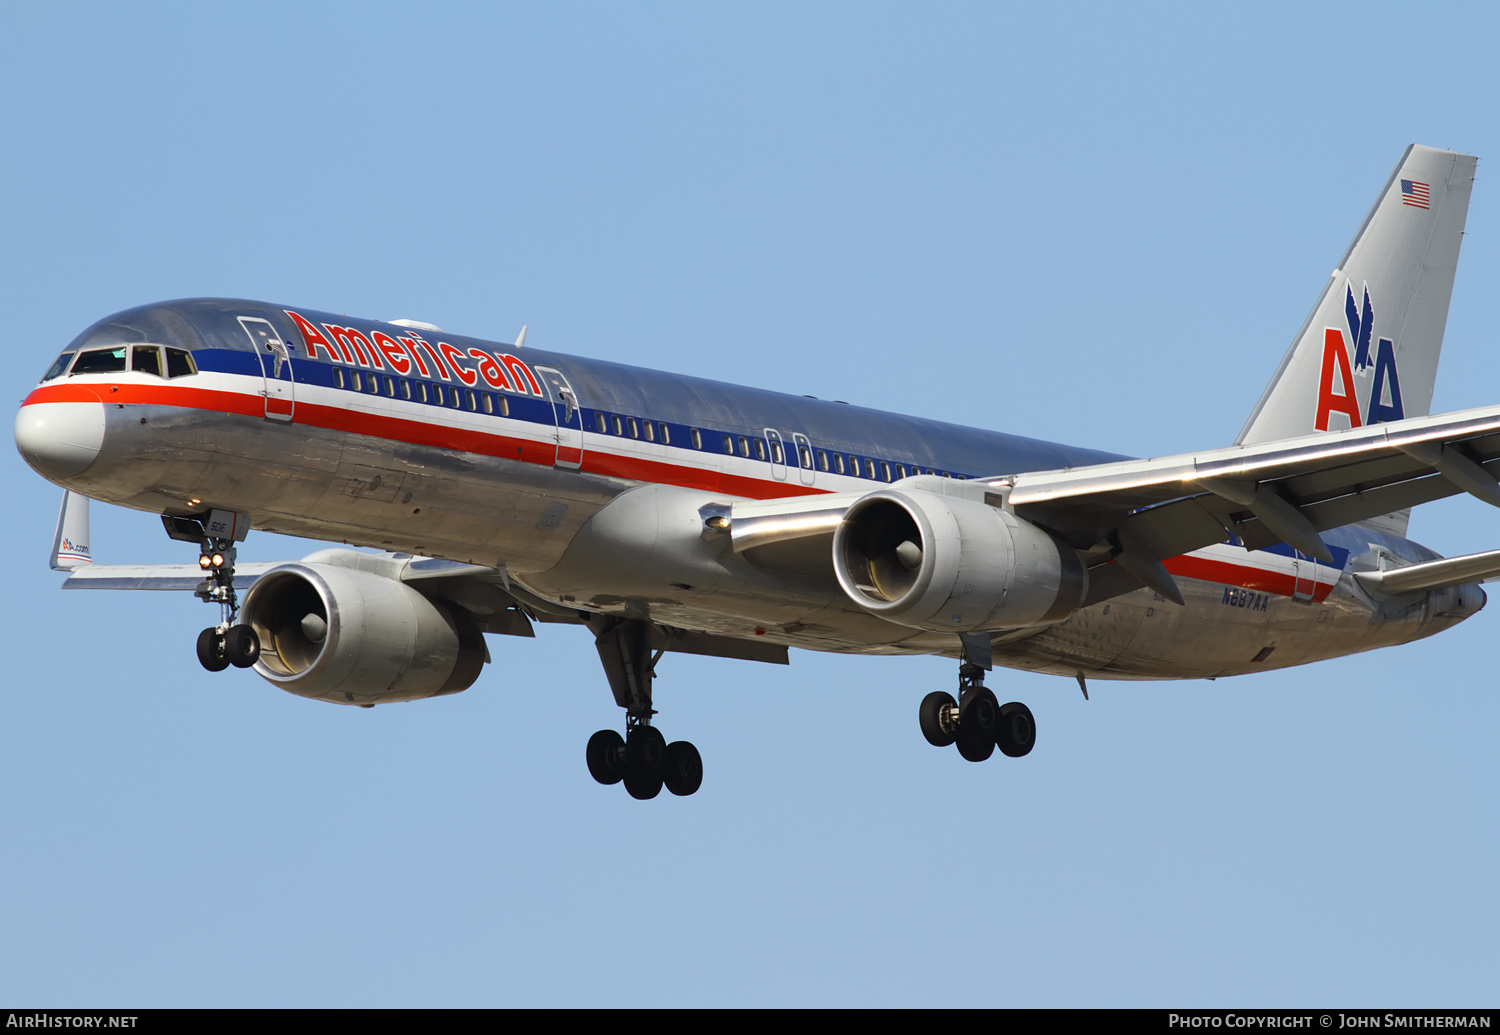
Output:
(1368, 351)
(70, 543)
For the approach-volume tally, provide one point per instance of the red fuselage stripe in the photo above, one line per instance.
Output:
(595, 461)
(422, 433)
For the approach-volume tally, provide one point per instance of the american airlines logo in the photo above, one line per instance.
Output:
(1340, 379)
(414, 355)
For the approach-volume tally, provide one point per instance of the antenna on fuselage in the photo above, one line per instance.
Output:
(521, 338)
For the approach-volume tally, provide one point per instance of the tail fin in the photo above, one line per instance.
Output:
(1369, 349)
(70, 543)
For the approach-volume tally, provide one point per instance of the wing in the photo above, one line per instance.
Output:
(484, 595)
(1126, 518)
(1141, 512)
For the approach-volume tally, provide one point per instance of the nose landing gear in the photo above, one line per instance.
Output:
(227, 643)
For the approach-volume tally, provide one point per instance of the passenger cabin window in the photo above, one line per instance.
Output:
(619, 425)
(776, 452)
(650, 431)
(437, 393)
(696, 437)
(100, 361)
(664, 435)
(489, 403)
(838, 463)
(805, 456)
(145, 359)
(729, 444)
(338, 378)
(635, 430)
(357, 382)
(504, 406)
(58, 366)
(744, 446)
(822, 460)
(600, 423)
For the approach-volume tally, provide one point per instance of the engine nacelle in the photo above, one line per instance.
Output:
(953, 565)
(354, 637)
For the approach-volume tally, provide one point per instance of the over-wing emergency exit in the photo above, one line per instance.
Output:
(504, 487)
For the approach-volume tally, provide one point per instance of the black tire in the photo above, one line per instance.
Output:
(646, 754)
(978, 721)
(1017, 733)
(210, 651)
(642, 788)
(684, 774)
(603, 756)
(929, 714)
(975, 751)
(242, 646)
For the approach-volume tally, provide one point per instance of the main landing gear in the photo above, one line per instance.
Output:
(642, 759)
(977, 722)
(227, 643)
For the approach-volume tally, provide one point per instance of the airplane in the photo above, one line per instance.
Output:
(502, 486)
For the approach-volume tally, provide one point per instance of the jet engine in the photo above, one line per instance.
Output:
(944, 564)
(353, 637)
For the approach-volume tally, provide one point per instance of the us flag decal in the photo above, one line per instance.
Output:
(1414, 194)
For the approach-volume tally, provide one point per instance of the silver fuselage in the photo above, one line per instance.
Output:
(586, 481)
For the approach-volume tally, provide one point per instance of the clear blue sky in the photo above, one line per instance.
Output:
(1100, 224)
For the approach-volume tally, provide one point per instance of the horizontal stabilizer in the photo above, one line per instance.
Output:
(190, 576)
(155, 576)
(1450, 571)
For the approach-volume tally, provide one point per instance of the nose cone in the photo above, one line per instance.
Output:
(60, 439)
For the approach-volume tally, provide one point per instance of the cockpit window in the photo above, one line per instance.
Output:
(179, 362)
(145, 359)
(58, 366)
(100, 361)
